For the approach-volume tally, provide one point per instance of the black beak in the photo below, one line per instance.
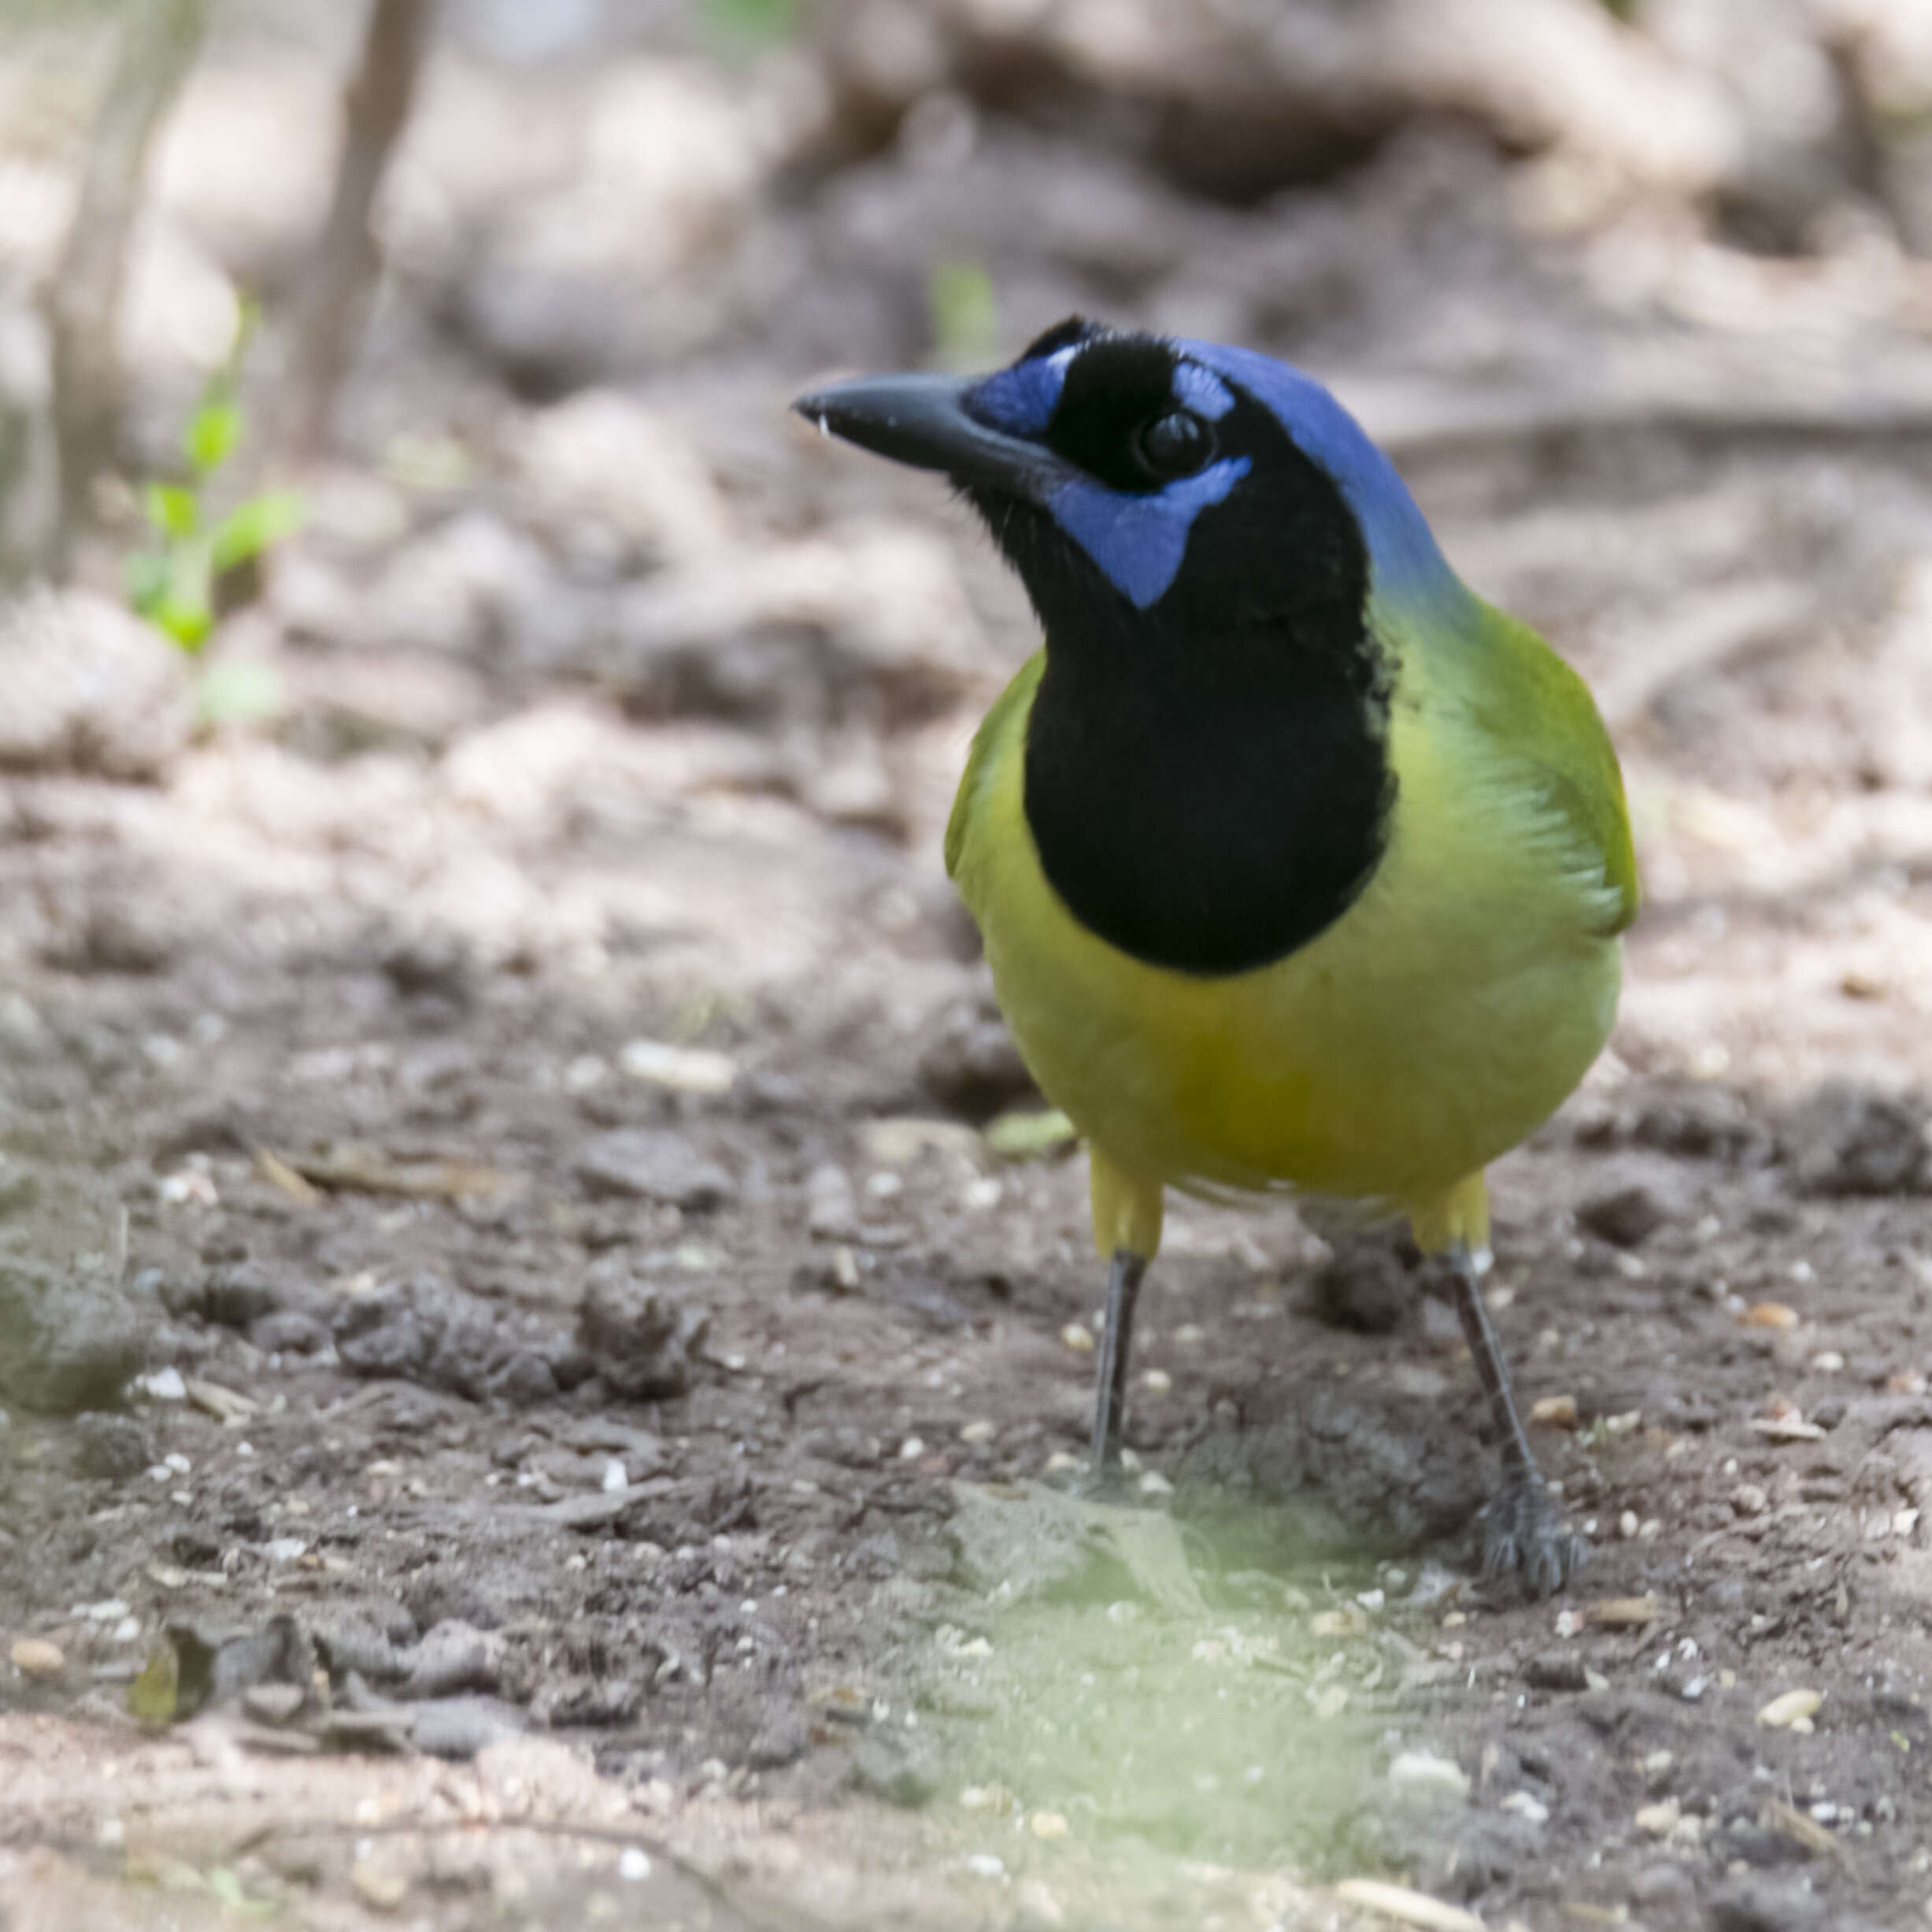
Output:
(923, 420)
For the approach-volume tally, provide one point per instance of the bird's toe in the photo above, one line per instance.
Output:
(1525, 1539)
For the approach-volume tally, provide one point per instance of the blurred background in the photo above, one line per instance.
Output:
(485, 317)
(478, 987)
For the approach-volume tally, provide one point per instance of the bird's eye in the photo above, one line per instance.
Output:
(1174, 445)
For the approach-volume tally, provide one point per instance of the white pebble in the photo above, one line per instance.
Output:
(911, 1449)
(680, 1069)
(634, 1864)
(616, 1476)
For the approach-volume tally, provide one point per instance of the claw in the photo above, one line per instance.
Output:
(1524, 1538)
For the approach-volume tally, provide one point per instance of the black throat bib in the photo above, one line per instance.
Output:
(1207, 780)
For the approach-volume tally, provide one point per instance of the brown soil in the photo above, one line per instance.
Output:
(668, 1457)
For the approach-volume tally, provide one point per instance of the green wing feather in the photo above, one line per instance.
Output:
(1540, 705)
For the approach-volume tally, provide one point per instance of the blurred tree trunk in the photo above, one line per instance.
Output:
(158, 44)
(335, 292)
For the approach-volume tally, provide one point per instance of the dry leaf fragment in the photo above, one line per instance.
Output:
(1406, 1908)
(1789, 1823)
(1770, 1315)
(365, 1170)
(1554, 1412)
(278, 1173)
(229, 1407)
(1623, 1612)
(1787, 1428)
(1346, 1622)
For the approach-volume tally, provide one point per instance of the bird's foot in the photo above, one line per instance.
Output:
(1098, 1482)
(1525, 1538)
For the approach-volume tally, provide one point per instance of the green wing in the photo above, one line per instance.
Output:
(1541, 706)
(1007, 718)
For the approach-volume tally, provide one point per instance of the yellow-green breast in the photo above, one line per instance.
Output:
(1436, 1022)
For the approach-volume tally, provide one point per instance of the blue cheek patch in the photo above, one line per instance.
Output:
(1202, 391)
(1021, 400)
(1139, 541)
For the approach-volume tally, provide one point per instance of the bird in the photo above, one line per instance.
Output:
(1299, 868)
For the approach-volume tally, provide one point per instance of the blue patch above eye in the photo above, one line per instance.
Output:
(1021, 400)
(1202, 391)
(1139, 541)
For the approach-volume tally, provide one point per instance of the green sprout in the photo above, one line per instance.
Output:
(964, 313)
(173, 580)
(737, 29)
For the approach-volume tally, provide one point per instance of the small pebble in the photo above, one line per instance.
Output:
(979, 1432)
(634, 1864)
(1554, 1412)
(1659, 1819)
(1770, 1315)
(677, 1069)
(1525, 1806)
(985, 1865)
(1627, 1525)
(378, 1885)
(911, 1449)
(1793, 1707)
(34, 1656)
(1154, 1483)
(1077, 1337)
(1156, 1381)
(1048, 1825)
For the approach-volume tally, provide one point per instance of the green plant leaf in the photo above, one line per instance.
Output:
(174, 593)
(212, 431)
(742, 27)
(151, 1696)
(227, 1886)
(1030, 1134)
(250, 527)
(172, 510)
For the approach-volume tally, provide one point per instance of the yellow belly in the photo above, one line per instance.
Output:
(1440, 1020)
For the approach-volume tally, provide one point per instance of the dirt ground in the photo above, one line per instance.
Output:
(508, 1292)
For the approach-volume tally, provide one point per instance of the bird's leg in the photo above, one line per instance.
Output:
(1123, 1287)
(1522, 1532)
